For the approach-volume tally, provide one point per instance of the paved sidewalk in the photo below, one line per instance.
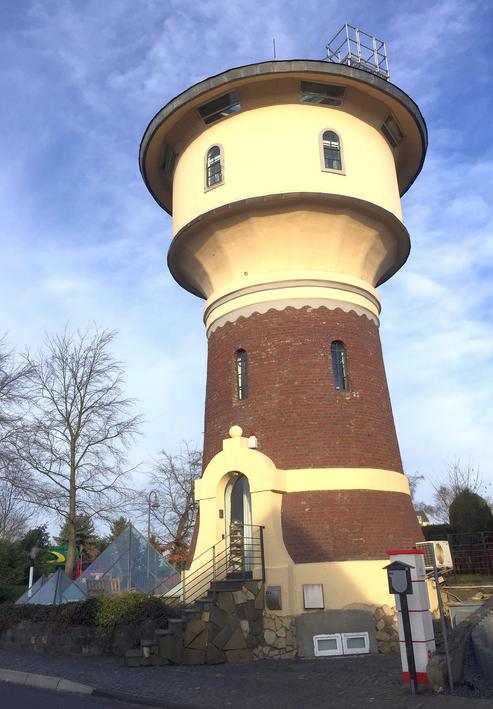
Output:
(335, 683)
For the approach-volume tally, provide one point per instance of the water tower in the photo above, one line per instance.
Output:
(284, 180)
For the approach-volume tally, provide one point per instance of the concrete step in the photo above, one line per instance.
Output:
(207, 602)
(239, 575)
(148, 642)
(226, 585)
(134, 652)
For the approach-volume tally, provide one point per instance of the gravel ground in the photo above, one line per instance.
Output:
(342, 683)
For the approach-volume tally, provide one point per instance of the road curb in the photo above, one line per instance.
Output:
(59, 684)
(144, 701)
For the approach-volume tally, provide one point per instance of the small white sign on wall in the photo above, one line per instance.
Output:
(313, 595)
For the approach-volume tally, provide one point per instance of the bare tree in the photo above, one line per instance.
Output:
(458, 479)
(13, 378)
(173, 480)
(77, 428)
(15, 512)
(419, 505)
(14, 508)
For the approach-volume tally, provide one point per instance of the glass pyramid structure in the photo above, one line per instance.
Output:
(132, 564)
(27, 595)
(54, 590)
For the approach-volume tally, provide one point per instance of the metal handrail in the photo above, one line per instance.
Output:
(230, 555)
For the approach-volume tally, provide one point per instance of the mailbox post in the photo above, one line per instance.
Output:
(400, 584)
(407, 581)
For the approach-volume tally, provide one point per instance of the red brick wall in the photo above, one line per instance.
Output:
(339, 525)
(300, 419)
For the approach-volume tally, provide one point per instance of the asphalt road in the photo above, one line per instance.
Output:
(16, 697)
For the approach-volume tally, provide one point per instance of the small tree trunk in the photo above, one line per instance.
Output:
(72, 519)
(70, 560)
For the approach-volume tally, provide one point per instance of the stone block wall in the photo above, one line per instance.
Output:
(279, 638)
(227, 627)
(387, 634)
(48, 638)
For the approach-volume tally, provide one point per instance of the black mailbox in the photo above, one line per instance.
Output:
(399, 578)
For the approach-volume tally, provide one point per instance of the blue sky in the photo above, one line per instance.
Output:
(83, 241)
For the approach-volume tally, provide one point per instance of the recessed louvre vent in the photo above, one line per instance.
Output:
(220, 107)
(169, 160)
(324, 94)
(392, 131)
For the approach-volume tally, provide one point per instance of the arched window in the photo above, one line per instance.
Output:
(214, 167)
(331, 151)
(339, 365)
(241, 374)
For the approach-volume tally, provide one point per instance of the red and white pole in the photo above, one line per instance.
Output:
(423, 637)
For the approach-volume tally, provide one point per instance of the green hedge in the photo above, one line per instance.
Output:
(10, 593)
(104, 612)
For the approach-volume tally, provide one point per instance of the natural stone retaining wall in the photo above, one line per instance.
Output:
(227, 627)
(279, 638)
(387, 634)
(49, 638)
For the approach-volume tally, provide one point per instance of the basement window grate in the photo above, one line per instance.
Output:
(341, 644)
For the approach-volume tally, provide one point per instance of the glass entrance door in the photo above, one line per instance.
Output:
(239, 523)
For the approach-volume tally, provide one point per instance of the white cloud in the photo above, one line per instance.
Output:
(83, 241)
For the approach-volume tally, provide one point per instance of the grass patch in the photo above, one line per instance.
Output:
(470, 580)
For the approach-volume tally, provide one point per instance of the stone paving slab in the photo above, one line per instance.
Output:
(339, 683)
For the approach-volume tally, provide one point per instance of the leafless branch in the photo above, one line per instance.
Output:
(77, 427)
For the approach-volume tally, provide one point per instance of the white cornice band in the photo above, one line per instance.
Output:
(295, 294)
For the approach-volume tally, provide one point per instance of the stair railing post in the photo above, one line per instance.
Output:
(214, 562)
(262, 552)
(183, 586)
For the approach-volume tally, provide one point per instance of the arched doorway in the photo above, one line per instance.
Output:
(238, 523)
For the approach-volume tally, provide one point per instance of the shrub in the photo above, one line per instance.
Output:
(470, 513)
(10, 593)
(105, 612)
(436, 532)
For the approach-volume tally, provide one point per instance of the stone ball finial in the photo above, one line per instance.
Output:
(235, 431)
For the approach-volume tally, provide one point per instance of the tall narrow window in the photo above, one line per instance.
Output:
(331, 147)
(339, 365)
(214, 168)
(241, 374)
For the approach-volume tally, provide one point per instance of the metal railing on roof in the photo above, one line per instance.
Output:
(356, 48)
